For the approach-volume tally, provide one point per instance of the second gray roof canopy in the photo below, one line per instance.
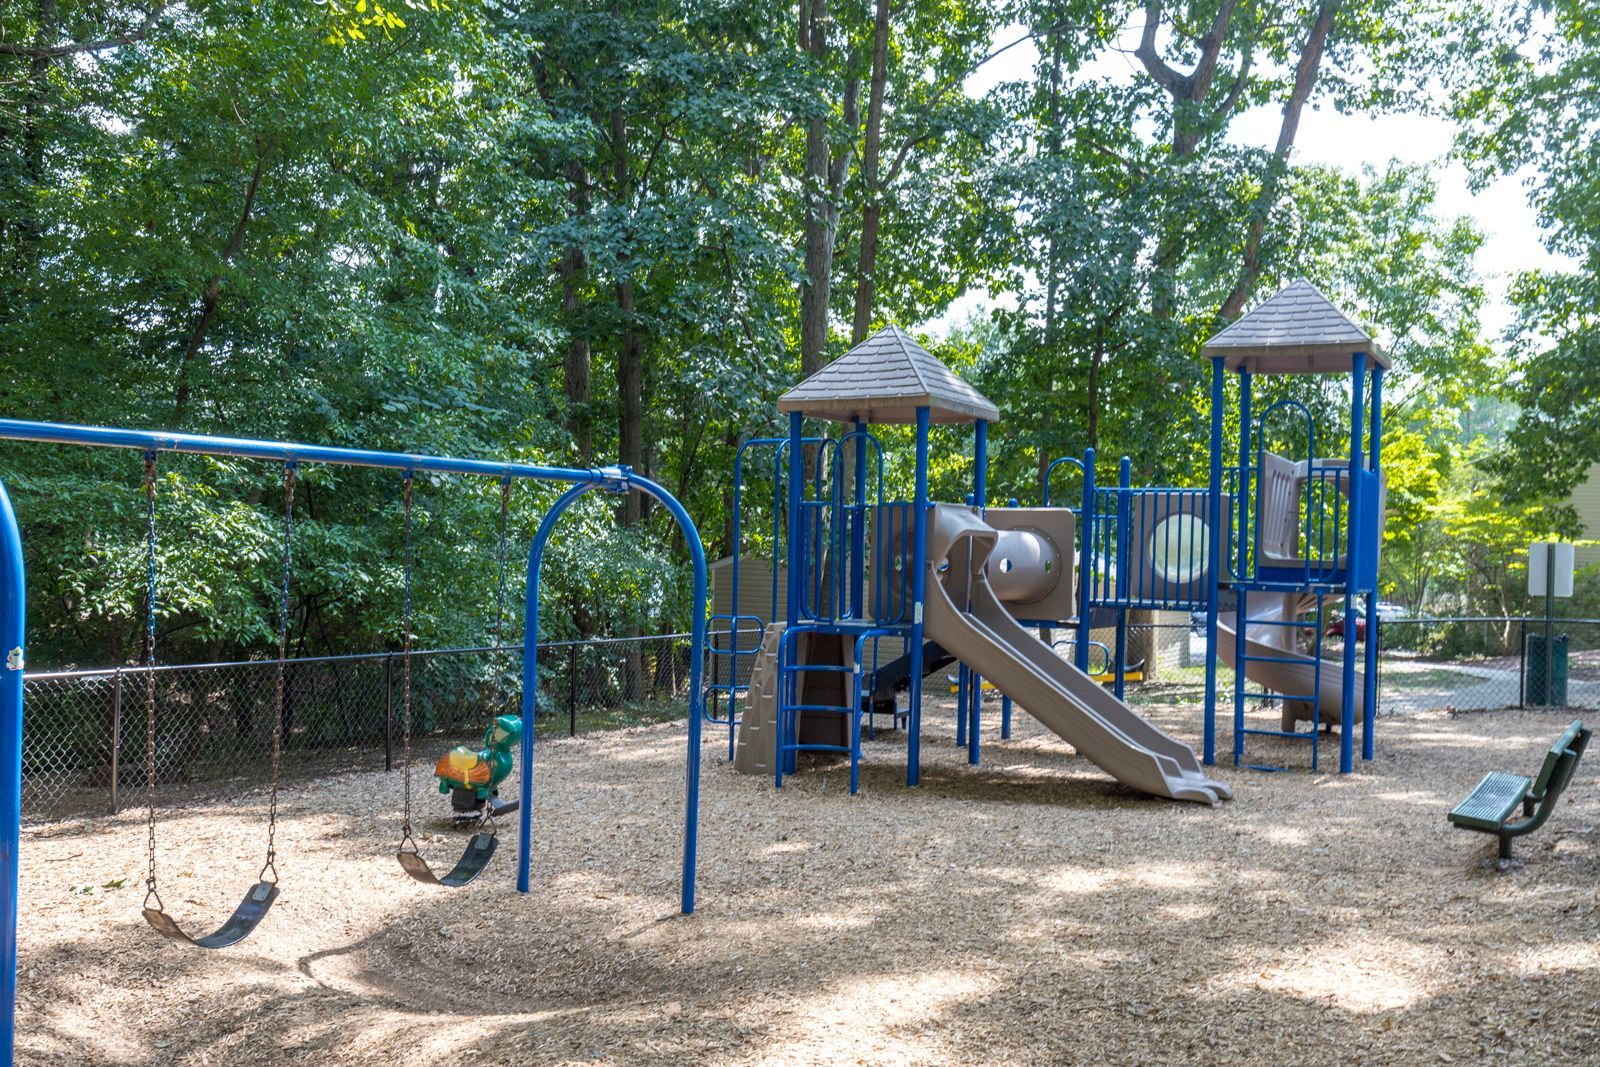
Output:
(1295, 331)
(884, 379)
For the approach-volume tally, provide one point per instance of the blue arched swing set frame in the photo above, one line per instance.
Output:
(13, 635)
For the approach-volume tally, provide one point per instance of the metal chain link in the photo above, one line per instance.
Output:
(500, 597)
(497, 660)
(283, 673)
(150, 893)
(405, 675)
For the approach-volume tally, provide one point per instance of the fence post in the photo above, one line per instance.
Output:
(572, 690)
(116, 738)
(1377, 663)
(1522, 664)
(388, 712)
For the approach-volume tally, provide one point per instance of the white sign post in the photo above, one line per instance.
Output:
(1550, 567)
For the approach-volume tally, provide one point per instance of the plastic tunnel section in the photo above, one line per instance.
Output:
(964, 615)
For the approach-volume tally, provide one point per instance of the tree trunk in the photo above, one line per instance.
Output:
(1096, 361)
(578, 384)
(630, 393)
(824, 179)
(213, 292)
(1305, 78)
(630, 354)
(35, 106)
(1190, 122)
(872, 211)
(1052, 282)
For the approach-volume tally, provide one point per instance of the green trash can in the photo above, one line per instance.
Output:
(1535, 682)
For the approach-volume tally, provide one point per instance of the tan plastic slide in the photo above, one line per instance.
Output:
(1074, 706)
(1297, 678)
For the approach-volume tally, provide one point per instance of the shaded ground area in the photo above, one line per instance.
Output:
(1025, 912)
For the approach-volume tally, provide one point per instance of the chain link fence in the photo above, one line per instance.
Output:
(1467, 663)
(1480, 663)
(84, 733)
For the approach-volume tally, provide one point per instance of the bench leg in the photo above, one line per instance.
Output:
(1527, 807)
(1505, 848)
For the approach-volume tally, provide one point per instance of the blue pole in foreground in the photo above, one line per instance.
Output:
(530, 678)
(1244, 563)
(697, 645)
(1213, 558)
(1086, 547)
(1370, 682)
(13, 602)
(980, 489)
(919, 576)
(1352, 566)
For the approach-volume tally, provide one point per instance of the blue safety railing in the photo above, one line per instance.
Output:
(1072, 461)
(1150, 549)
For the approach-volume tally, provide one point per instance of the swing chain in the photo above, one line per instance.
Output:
(150, 893)
(500, 597)
(271, 863)
(406, 838)
(486, 820)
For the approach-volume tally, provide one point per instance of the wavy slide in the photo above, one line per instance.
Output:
(1074, 706)
(1297, 678)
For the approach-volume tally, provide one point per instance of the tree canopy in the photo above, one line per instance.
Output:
(580, 233)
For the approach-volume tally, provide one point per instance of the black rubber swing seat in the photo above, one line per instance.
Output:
(240, 925)
(471, 864)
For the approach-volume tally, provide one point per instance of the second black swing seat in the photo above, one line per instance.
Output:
(240, 925)
(471, 864)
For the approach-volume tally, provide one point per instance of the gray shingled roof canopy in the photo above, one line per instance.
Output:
(1295, 331)
(885, 379)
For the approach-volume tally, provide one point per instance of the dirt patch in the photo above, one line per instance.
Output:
(1027, 911)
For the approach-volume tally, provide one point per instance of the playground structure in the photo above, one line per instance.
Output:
(865, 596)
(876, 592)
(290, 456)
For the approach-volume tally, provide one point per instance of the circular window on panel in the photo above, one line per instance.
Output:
(1180, 548)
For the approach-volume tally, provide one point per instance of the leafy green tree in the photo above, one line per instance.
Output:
(1531, 105)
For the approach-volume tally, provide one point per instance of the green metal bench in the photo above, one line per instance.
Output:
(1488, 808)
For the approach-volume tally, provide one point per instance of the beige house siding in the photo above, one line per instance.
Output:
(1586, 499)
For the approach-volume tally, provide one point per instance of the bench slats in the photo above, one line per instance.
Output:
(1489, 805)
(1553, 757)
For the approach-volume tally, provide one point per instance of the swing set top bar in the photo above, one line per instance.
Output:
(289, 452)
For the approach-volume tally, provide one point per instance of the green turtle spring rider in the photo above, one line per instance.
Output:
(472, 777)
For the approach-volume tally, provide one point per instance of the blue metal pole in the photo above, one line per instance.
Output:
(697, 648)
(1245, 547)
(798, 570)
(797, 567)
(1352, 563)
(1080, 652)
(289, 452)
(919, 589)
(530, 678)
(13, 604)
(858, 534)
(1370, 688)
(1214, 557)
(1124, 565)
(980, 490)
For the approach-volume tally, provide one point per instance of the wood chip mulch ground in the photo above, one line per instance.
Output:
(1028, 911)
